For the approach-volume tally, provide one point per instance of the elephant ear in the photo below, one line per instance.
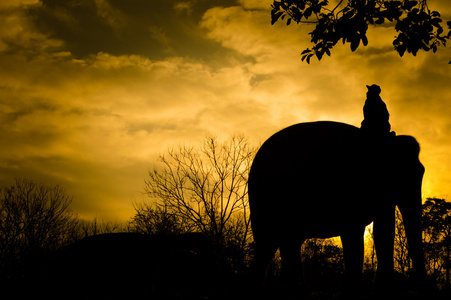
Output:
(407, 147)
(406, 166)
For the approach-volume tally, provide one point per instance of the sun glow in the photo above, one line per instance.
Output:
(368, 232)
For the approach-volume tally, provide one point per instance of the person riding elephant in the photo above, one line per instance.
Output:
(376, 117)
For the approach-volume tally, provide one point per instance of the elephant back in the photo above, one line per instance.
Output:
(305, 168)
(294, 147)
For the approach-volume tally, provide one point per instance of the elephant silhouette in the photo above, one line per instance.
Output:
(326, 179)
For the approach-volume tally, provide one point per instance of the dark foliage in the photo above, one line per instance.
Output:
(34, 219)
(323, 263)
(135, 266)
(437, 240)
(171, 264)
(417, 27)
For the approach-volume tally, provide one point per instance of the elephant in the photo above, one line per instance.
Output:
(325, 179)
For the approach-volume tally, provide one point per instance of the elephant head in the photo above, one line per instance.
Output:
(406, 176)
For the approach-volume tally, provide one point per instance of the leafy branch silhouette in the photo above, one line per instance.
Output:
(417, 26)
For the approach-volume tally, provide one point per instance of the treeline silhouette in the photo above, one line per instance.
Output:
(191, 240)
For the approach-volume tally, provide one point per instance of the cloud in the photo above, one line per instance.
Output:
(93, 113)
(184, 7)
(299, 92)
(16, 3)
(110, 15)
(18, 35)
(256, 4)
(155, 29)
(95, 124)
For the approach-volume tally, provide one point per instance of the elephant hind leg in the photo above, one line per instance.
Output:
(292, 272)
(264, 253)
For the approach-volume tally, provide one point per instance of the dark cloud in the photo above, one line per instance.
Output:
(155, 29)
(16, 111)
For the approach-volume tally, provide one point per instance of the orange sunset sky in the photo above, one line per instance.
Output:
(91, 91)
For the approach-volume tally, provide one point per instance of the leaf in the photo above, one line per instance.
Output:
(308, 12)
(401, 49)
(435, 14)
(436, 22)
(307, 58)
(355, 44)
(327, 50)
(364, 40)
(319, 54)
(275, 16)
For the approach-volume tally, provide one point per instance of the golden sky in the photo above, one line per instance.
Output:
(91, 91)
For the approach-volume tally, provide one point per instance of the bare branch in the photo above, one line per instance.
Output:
(206, 186)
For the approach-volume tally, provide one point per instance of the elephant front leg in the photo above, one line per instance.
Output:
(353, 251)
(384, 236)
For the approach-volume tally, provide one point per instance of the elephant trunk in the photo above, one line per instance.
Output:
(411, 212)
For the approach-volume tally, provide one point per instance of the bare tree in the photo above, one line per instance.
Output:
(401, 259)
(152, 219)
(33, 218)
(206, 187)
(370, 259)
(402, 262)
(96, 226)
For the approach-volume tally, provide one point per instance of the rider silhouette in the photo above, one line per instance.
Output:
(375, 114)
